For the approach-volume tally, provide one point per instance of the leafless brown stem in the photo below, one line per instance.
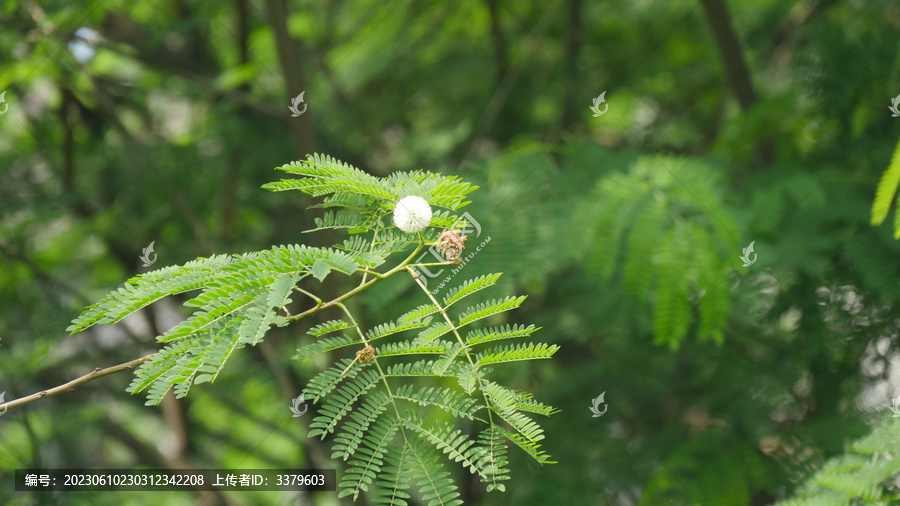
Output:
(75, 383)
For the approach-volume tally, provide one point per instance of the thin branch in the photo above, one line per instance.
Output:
(310, 295)
(364, 340)
(372, 248)
(359, 288)
(75, 383)
(365, 272)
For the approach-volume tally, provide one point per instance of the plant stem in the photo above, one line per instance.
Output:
(432, 264)
(310, 295)
(453, 327)
(358, 331)
(360, 288)
(377, 365)
(371, 249)
(75, 383)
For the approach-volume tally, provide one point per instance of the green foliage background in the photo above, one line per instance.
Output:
(725, 384)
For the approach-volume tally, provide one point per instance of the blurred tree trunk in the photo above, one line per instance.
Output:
(229, 185)
(573, 46)
(295, 80)
(737, 74)
(501, 59)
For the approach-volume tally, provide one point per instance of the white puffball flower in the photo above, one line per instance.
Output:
(412, 214)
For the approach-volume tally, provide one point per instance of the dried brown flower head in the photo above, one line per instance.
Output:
(450, 244)
(366, 354)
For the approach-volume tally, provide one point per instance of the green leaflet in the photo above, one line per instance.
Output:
(144, 289)
(394, 479)
(183, 363)
(381, 431)
(517, 353)
(486, 335)
(353, 431)
(661, 233)
(436, 486)
(493, 458)
(390, 328)
(884, 195)
(863, 474)
(468, 288)
(362, 472)
(328, 327)
(435, 331)
(244, 293)
(445, 438)
(451, 401)
(485, 310)
(325, 344)
(339, 403)
(411, 348)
